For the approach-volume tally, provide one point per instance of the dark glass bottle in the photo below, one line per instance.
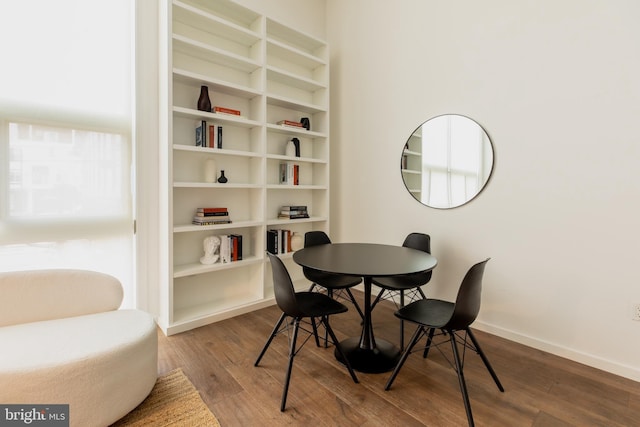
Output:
(223, 179)
(204, 103)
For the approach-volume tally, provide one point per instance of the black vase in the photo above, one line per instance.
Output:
(204, 103)
(296, 144)
(223, 179)
(305, 123)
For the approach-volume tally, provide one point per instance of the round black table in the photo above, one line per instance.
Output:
(368, 260)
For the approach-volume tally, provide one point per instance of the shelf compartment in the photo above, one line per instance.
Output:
(240, 137)
(314, 197)
(287, 109)
(293, 104)
(201, 315)
(190, 77)
(297, 63)
(243, 171)
(211, 29)
(295, 96)
(213, 54)
(295, 39)
(207, 65)
(185, 270)
(229, 11)
(312, 149)
(244, 204)
(311, 175)
(286, 78)
(188, 249)
(187, 92)
(200, 295)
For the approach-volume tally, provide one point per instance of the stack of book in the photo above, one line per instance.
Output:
(211, 216)
(289, 174)
(208, 135)
(291, 123)
(279, 241)
(293, 212)
(224, 110)
(230, 248)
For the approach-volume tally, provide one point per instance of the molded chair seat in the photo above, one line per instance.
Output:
(453, 319)
(427, 312)
(313, 304)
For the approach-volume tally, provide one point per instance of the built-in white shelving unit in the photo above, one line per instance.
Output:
(270, 72)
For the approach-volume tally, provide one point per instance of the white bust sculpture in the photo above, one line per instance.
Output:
(211, 246)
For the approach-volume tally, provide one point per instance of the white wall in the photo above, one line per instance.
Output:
(556, 86)
(307, 16)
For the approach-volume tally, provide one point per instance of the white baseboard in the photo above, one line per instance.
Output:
(630, 372)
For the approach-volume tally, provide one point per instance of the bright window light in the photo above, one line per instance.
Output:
(70, 54)
(65, 137)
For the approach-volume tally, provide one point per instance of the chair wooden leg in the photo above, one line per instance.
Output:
(339, 348)
(273, 334)
(429, 340)
(292, 353)
(485, 360)
(463, 384)
(414, 339)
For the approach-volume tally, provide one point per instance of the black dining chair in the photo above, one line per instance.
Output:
(297, 306)
(335, 284)
(453, 320)
(406, 285)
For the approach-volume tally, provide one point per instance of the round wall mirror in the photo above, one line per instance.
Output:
(447, 161)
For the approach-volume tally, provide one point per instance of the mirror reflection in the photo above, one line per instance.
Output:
(447, 161)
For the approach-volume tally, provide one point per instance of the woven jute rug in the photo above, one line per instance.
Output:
(173, 401)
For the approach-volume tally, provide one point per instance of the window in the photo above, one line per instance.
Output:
(452, 161)
(66, 173)
(66, 137)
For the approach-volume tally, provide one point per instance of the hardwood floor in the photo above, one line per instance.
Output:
(540, 389)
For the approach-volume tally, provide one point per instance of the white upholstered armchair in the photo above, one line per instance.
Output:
(63, 340)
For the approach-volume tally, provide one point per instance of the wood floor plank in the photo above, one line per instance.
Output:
(541, 390)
